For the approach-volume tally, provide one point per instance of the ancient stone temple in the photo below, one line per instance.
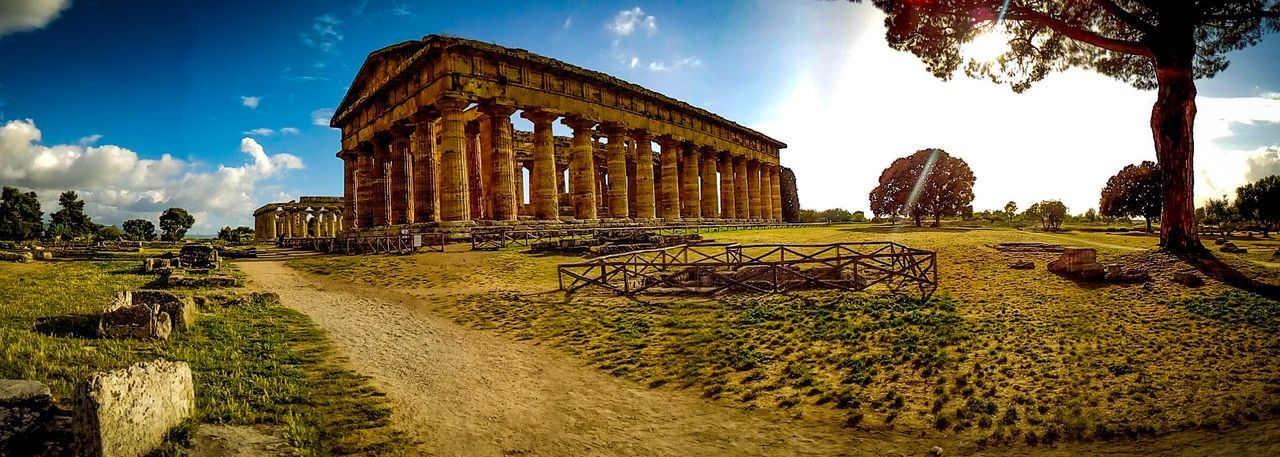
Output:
(306, 218)
(428, 141)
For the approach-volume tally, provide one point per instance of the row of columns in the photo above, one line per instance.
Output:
(299, 222)
(439, 168)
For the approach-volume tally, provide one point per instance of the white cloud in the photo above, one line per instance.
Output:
(324, 34)
(116, 184)
(89, 140)
(657, 66)
(634, 61)
(1062, 139)
(250, 102)
(321, 117)
(627, 22)
(23, 15)
(676, 64)
(568, 22)
(263, 131)
(289, 131)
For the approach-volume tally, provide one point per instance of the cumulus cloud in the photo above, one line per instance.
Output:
(321, 117)
(676, 64)
(250, 102)
(261, 131)
(627, 22)
(116, 184)
(1264, 162)
(23, 15)
(289, 131)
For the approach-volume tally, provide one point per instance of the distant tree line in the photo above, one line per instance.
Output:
(830, 215)
(1257, 203)
(22, 219)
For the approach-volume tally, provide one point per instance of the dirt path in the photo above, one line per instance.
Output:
(460, 391)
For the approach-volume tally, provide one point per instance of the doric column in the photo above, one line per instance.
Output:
(378, 206)
(670, 184)
(582, 168)
(710, 194)
(363, 216)
(766, 191)
(644, 175)
(775, 191)
(286, 223)
(542, 186)
(727, 209)
(475, 171)
(616, 154)
(753, 186)
(741, 199)
(349, 169)
(455, 204)
(269, 225)
(690, 197)
(422, 148)
(629, 149)
(400, 187)
(503, 182)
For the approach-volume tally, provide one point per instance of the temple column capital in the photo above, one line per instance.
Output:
(449, 103)
(498, 107)
(539, 116)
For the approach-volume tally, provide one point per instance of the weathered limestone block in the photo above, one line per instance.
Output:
(1229, 247)
(20, 257)
(1188, 279)
(1023, 265)
(1220, 240)
(181, 311)
(177, 280)
(1116, 273)
(42, 255)
(128, 412)
(123, 318)
(1079, 263)
(24, 409)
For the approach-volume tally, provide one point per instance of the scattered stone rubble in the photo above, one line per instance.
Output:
(129, 412)
(1231, 248)
(16, 256)
(121, 413)
(194, 266)
(123, 318)
(1023, 265)
(1082, 263)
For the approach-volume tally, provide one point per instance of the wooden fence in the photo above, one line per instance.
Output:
(493, 238)
(765, 268)
(370, 244)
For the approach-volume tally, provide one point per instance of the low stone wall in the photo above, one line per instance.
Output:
(11, 256)
(123, 318)
(128, 412)
(24, 407)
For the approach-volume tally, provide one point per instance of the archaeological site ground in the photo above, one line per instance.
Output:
(506, 252)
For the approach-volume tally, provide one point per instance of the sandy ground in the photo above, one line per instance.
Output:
(460, 391)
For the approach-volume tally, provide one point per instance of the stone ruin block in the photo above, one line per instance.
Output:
(156, 265)
(25, 407)
(1188, 279)
(177, 280)
(20, 257)
(1077, 262)
(199, 256)
(129, 412)
(123, 318)
(1231, 248)
(181, 311)
(1023, 265)
(1116, 273)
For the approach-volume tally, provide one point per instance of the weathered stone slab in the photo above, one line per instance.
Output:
(1023, 265)
(177, 280)
(128, 412)
(16, 256)
(123, 318)
(1188, 279)
(181, 311)
(24, 408)
(1077, 262)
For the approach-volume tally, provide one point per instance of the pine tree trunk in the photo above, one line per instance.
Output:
(1148, 224)
(1172, 119)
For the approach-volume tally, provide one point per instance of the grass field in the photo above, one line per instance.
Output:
(253, 363)
(998, 356)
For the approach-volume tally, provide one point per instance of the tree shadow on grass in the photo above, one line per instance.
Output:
(1213, 267)
(70, 326)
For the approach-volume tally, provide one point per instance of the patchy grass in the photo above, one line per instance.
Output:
(252, 363)
(1002, 356)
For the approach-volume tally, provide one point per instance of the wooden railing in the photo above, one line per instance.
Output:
(765, 268)
(493, 238)
(370, 244)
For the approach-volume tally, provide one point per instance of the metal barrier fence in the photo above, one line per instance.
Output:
(370, 244)
(493, 238)
(765, 268)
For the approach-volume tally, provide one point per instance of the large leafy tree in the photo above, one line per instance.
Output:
(928, 183)
(1222, 214)
(1259, 202)
(1050, 213)
(1150, 44)
(71, 221)
(174, 223)
(139, 229)
(1136, 191)
(20, 215)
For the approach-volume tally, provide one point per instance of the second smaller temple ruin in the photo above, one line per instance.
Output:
(305, 218)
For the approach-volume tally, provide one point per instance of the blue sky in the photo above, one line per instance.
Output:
(221, 106)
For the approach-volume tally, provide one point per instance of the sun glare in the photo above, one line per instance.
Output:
(988, 46)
